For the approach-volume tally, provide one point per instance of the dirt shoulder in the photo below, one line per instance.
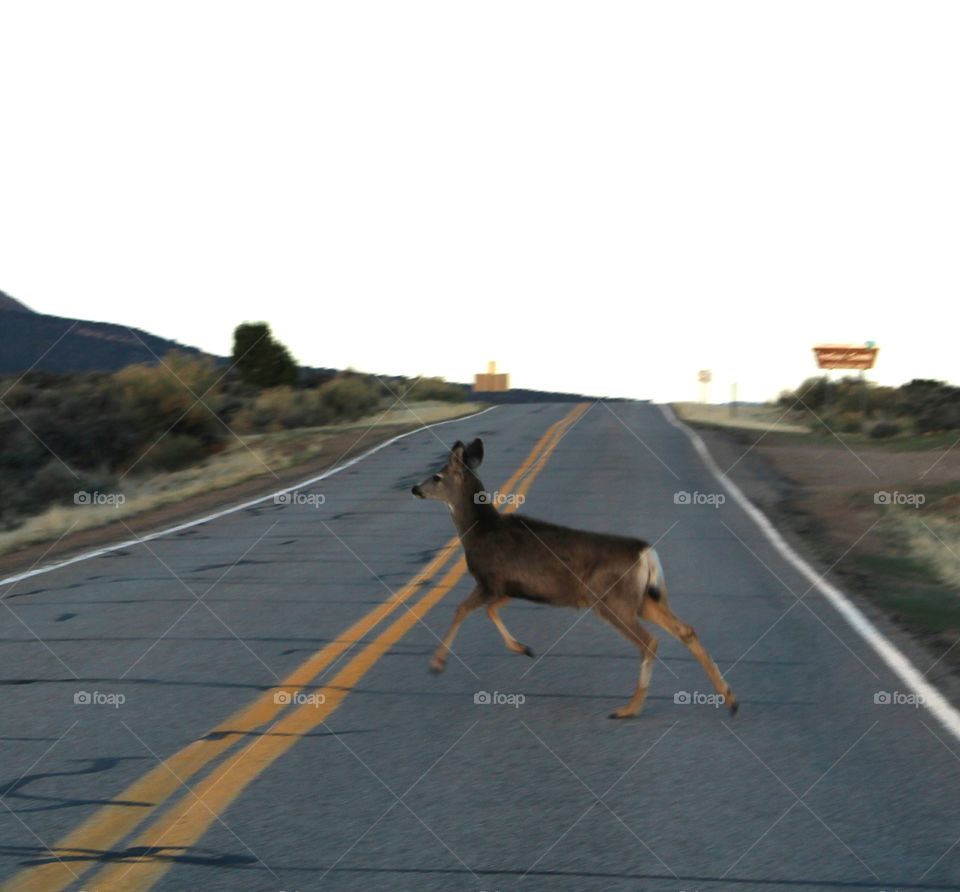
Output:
(878, 520)
(336, 447)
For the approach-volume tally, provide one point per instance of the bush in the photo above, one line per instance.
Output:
(883, 400)
(882, 429)
(180, 395)
(75, 432)
(431, 389)
(281, 408)
(350, 396)
(55, 483)
(260, 359)
(931, 405)
(814, 392)
(847, 422)
(67, 433)
(934, 405)
(171, 453)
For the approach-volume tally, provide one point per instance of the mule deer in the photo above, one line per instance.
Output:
(512, 556)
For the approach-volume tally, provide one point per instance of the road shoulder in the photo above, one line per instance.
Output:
(750, 465)
(340, 448)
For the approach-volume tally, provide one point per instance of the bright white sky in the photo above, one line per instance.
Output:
(605, 197)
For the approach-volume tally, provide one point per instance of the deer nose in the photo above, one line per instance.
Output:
(416, 491)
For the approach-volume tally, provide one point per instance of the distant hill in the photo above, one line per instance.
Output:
(57, 344)
(12, 304)
(37, 341)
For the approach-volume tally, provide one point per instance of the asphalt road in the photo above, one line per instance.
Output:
(379, 775)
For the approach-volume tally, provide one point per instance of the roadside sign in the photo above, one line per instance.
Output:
(845, 356)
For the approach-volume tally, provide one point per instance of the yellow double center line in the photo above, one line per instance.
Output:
(185, 822)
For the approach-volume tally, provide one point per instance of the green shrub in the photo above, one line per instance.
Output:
(934, 405)
(882, 429)
(885, 401)
(172, 452)
(812, 394)
(432, 389)
(931, 405)
(282, 408)
(63, 434)
(54, 482)
(351, 397)
(180, 396)
(260, 359)
(846, 422)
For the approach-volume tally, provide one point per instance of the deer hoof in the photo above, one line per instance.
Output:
(527, 651)
(734, 706)
(437, 668)
(620, 714)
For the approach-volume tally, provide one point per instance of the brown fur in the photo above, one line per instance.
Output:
(513, 556)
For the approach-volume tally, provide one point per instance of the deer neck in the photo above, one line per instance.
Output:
(471, 514)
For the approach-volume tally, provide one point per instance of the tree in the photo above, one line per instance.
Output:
(261, 360)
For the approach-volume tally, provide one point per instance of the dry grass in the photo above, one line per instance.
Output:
(905, 559)
(934, 540)
(755, 418)
(251, 456)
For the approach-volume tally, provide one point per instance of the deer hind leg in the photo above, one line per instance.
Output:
(464, 609)
(626, 623)
(493, 611)
(658, 612)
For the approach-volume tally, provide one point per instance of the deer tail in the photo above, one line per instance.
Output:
(651, 575)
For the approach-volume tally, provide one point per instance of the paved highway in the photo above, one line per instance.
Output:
(246, 705)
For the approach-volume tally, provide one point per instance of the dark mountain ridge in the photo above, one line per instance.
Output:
(31, 340)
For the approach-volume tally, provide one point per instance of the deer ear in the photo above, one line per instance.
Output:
(473, 454)
(456, 450)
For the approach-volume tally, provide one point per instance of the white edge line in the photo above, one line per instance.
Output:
(129, 543)
(934, 701)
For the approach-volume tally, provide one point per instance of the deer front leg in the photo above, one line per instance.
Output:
(508, 639)
(464, 609)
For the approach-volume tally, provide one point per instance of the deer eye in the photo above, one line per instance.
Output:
(437, 478)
